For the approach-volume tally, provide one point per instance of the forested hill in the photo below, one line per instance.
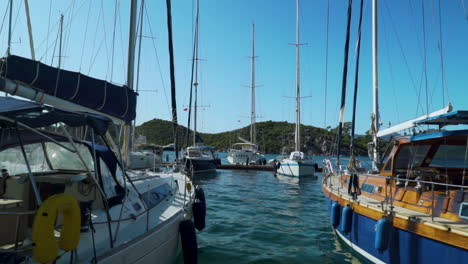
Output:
(272, 137)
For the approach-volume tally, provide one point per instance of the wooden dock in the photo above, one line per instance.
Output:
(244, 167)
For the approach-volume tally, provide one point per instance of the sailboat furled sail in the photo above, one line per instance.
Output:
(28, 78)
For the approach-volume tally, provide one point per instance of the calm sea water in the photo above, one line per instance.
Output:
(257, 217)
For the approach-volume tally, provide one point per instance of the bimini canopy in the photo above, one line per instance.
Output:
(37, 115)
(74, 87)
(453, 118)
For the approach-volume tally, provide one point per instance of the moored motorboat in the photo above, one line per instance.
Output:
(245, 153)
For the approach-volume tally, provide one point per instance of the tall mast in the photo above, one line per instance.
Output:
(9, 28)
(298, 91)
(60, 42)
(130, 72)
(131, 44)
(375, 112)
(28, 19)
(195, 83)
(344, 81)
(173, 84)
(253, 136)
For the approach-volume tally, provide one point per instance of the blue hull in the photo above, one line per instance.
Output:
(404, 247)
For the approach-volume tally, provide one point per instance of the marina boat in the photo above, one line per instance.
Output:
(412, 207)
(297, 164)
(247, 152)
(198, 158)
(107, 214)
(146, 156)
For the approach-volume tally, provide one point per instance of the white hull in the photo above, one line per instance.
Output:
(144, 160)
(141, 238)
(243, 157)
(296, 168)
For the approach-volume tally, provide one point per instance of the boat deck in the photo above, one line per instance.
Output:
(440, 223)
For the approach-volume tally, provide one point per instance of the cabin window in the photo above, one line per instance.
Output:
(12, 159)
(64, 159)
(463, 210)
(410, 156)
(450, 156)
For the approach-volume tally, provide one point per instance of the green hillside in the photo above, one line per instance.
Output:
(271, 137)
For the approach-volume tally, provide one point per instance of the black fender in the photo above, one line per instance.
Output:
(188, 238)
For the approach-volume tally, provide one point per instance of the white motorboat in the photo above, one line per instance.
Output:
(245, 153)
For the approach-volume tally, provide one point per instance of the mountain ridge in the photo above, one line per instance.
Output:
(272, 137)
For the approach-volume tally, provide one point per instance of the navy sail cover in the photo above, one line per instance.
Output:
(99, 95)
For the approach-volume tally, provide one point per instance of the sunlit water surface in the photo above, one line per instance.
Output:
(258, 217)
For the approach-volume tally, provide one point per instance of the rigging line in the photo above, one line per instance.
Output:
(16, 18)
(85, 35)
(139, 47)
(157, 59)
(93, 58)
(48, 31)
(113, 40)
(326, 64)
(53, 28)
(53, 52)
(4, 17)
(356, 82)
(343, 87)
(195, 41)
(122, 50)
(94, 40)
(425, 56)
(402, 50)
(390, 66)
(67, 30)
(105, 37)
(442, 64)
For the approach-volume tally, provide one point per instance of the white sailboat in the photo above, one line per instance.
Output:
(247, 151)
(198, 157)
(297, 164)
(110, 214)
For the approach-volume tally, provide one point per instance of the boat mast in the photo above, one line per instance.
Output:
(375, 113)
(356, 84)
(60, 42)
(130, 72)
(253, 136)
(195, 83)
(343, 83)
(172, 72)
(28, 19)
(9, 28)
(298, 92)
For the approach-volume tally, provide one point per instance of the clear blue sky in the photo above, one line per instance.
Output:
(225, 39)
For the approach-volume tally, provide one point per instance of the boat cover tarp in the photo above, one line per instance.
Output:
(36, 115)
(99, 95)
(452, 118)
